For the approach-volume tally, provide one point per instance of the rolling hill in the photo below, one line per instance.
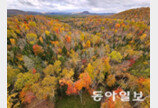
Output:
(20, 12)
(139, 14)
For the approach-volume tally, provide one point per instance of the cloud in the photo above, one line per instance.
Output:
(76, 5)
(25, 2)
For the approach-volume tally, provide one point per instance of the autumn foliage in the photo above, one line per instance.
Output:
(51, 58)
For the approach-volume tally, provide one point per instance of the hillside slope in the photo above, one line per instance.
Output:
(11, 12)
(139, 14)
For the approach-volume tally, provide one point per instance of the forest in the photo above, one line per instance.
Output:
(60, 61)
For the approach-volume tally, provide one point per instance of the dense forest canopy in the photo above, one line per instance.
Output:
(52, 59)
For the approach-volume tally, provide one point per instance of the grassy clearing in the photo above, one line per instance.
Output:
(75, 102)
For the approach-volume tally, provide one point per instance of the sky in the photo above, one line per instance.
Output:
(95, 6)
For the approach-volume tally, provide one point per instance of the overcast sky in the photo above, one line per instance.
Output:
(99, 6)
